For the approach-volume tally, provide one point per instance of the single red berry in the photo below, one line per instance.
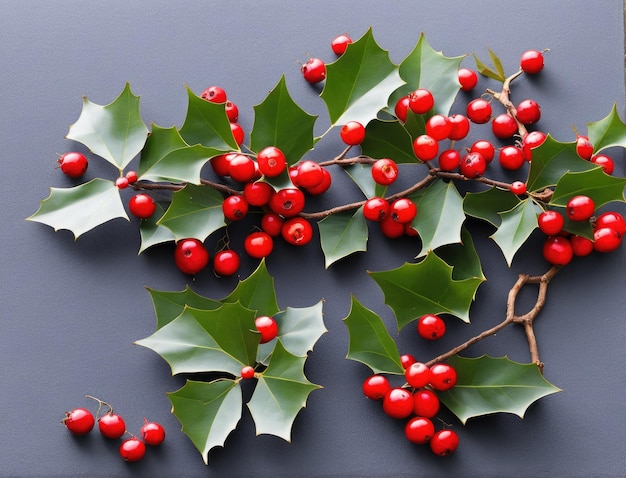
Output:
(79, 421)
(398, 403)
(401, 108)
(238, 133)
(314, 70)
(340, 43)
(605, 161)
(460, 127)
(241, 168)
(431, 327)
(384, 171)
(272, 224)
(271, 161)
(584, 148)
(323, 186)
(352, 133)
(132, 449)
(425, 147)
(421, 101)
(232, 111)
(258, 244)
(478, 111)
(403, 210)
(504, 126)
(419, 430)
(417, 375)
(390, 228)
(111, 425)
(444, 442)
(257, 193)
(247, 372)
(376, 209)
(132, 177)
(73, 164)
(221, 164)
(121, 182)
(550, 222)
(473, 165)
(267, 327)
(190, 256)
(449, 160)
(606, 239)
(407, 360)
(376, 387)
(531, 141)
(611, 219)
(152, 433)
(442, 377)
(557, 250)
(511, 158)
(288, 202)
(235, 207)
(410, 231)
(142, 206)
(214, 94)
(438, 127)
(518, 187)
(531, 62)
(528, 112)
(580, 208)
(297, 231)
(310, 174)
(485, 148)
(426, 403)
(468, 79)
(581, 246)
(226, 262)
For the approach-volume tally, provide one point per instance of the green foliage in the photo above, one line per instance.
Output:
(607, 132)
(342, 234)
(516, 226)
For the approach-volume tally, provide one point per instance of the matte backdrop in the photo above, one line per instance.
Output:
(71, 310)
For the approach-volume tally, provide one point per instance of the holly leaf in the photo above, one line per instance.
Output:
(463, 258)
(516, 226)
(342, 234)
(488, 204)
(152, 233)
(169, 305)
(361, 174)
(281, 392)
(206, 123)
(594, 183)
(195, 211)
(487, 385)
(427, 287)
(607, 132)
(280, 122)
(166, 157)
(388, 139)
(80, 208)
(440, 215)
(114, 132)
(208, 412)
(256, 292)
(359, 83)
(370, 342)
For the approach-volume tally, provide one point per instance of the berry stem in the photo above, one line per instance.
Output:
(504, 98)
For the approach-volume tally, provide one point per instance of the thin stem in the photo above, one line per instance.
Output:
(504, 98)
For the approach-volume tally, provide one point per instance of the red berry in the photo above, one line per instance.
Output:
(79, 421)
(142, 206)
(504, 126)
(376, 387)
(340, 44)
(611, 219)
(460, 127)
(398, 403)
(425, 148)
(287, 202)
(531, 62)
(580, 208)
(531, 141)
(606, 239)
(267, 327)
(557, 250)
(190, 256)
(442, 377)
(431, 327)
(419, 430)
(473, 165)
(478, 111)
(257, 193)
(449, 160)
(390, 228)
(402, 107)
(235, 207)
(132, 177)
(605, 161)
(221, 164)
(438, 127)
(310, 174)
(111, 425)
(581, 246)
(550, 222)
(384, 171)
(511, 158)
(468, 79)
(314, 70)
(352, 133)
(241, 168)
(258, 244)
(444, 442)
(297, 231)
(485, 148)
(73, 164)
(421, 101)
(426, 403)
(271, 161)
(403, 210)
(214, 94)
(323, 186)
(584, 148)
(528, 112)
(132, 449)
(247, 372)
(407, 360)
(272, 224)
(121, 182)
(226, 262)
(232, 111)
(152, 433)
(417, 375)
(376, 209)
(238, 133)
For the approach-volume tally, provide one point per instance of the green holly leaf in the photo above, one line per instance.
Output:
(487, 385)
(342, 234)
(280, 122)
(594, 183)
(80, 208)
(427, 287)
(551, 160)
(114, 132)
(607, 132)
(256, 292)
(167, 158)
(426, 68)
(281, 392)
(440, 215)
(463, 258)
(370, 342)
(169, 305)
(152, 233)
(516, 226)
(388, 139)
(488, 204)
(208, 412)
(495, 73)
(195, 211)
(359, 82)
(206, 123)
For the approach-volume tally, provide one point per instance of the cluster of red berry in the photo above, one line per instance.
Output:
(80, 421)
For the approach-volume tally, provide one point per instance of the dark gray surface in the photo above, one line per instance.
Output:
(71, 310)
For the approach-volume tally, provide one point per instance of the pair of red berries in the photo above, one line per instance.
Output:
(80, 421)
(191, 257)
(314, 70)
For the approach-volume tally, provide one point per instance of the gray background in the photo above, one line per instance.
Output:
(70, 311)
